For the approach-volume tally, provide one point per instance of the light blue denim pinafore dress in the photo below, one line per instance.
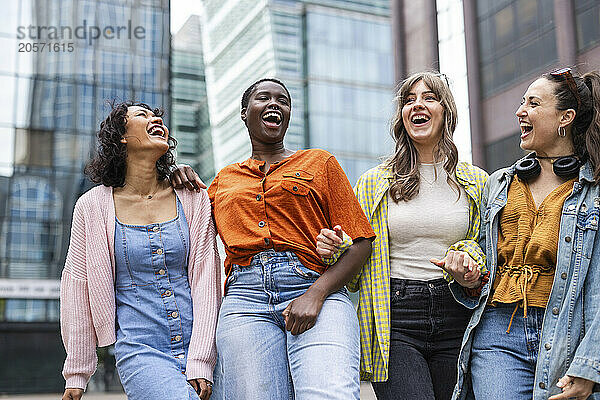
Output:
(154, 309)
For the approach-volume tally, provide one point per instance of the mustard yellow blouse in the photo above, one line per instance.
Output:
(527, 246)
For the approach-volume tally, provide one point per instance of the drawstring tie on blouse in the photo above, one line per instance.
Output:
(528, 270)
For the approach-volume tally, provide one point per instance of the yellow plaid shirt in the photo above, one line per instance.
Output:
(373, 282)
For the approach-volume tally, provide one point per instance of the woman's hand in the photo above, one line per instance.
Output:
(573, 388)
(461, 266)
(185, 176)
(301, 314)
(72, 394)
(329, 241)
(203, 387)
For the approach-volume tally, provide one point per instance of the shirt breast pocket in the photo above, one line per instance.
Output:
(587, 227)
(295, 188)
(297, 182)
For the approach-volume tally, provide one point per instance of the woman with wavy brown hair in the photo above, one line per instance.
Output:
(142, 268)
(424, 208)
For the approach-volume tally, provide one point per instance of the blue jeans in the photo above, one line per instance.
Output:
(259, 359)
(427, 326)
(503, 364)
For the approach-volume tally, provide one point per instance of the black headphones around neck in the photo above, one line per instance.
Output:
(566, 166)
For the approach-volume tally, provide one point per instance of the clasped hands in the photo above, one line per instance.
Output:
(461, 267)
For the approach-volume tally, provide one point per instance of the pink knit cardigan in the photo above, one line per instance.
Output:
(87, 294)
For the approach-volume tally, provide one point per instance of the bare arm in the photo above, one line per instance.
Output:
(301, 314)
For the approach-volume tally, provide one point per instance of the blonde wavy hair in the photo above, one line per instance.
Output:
(405, 162)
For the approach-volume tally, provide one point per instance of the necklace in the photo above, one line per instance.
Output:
(429, 172)
(144, 196)
(553, 158)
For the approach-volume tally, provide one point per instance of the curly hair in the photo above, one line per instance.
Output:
(109, 165)
(405, 162)
(248, 92)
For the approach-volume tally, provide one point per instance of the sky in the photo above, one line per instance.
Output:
(181, 11)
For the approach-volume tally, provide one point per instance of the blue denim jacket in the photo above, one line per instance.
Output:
(570, 340)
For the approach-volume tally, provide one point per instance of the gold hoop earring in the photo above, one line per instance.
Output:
(562, 133)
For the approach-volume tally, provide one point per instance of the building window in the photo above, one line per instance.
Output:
(516, 37)
(349, 49)
(587, 15)
(503, 152)
(29, 310)
(33, 229)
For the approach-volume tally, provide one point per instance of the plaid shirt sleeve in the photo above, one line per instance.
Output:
(476, 179)
(346, 243)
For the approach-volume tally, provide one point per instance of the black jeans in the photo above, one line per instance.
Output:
(427, 326)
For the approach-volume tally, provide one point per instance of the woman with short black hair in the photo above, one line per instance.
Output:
(287, 328)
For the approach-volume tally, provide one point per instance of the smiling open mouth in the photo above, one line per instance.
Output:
(156, 130)
(272, 119)
(420, 119)
(526, 128)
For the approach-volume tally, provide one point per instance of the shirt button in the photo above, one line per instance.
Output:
(261, 224)
(174, 314)
(571, 207)
(162, 272)
(542, 385)
(177, 338)
(295, 188)
(258, 197)
(159, 251)
(555, 310)
(568, 239)
(397, 293)
(431, 285)
(547, 346)
(156, 229)
(167, 293)
(563, 275)
(267, 241)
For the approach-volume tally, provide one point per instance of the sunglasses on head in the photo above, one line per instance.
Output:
(565, 73)
(443, 76)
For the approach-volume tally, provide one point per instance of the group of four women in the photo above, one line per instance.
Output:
(467, 289)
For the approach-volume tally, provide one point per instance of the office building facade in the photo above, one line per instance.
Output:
(64, 60)
(334, 56)
(511, 43)
(190, 122)
(507, 44)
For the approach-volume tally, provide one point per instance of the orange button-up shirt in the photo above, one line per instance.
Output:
(284, 208)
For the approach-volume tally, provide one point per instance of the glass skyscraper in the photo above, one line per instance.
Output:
(190, 123)
(335, 57)
(63, 61)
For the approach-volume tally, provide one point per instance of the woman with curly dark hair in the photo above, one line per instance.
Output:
(142, 268)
